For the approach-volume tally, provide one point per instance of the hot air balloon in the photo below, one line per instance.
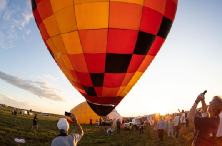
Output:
(84, 113)
(104, 46)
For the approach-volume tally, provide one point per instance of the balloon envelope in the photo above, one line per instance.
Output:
(103, 47)
(84, 113)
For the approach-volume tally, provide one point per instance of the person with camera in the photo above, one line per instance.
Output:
(65, 139)
(206, 126)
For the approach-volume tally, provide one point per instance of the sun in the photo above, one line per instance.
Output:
(158, 107)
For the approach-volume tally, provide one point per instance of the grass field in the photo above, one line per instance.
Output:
(20, 127)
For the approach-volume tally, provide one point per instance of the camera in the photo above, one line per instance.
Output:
(205, 92)
(67, 114)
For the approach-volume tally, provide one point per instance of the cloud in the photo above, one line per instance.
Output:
(50, 77)
(13, 26)
(8, 100)
(39, 88)
(28, 31)
(2, 4)
(26, 18)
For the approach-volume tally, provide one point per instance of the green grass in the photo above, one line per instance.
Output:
(20, 127)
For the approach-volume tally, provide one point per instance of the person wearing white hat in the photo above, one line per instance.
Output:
(65, 139)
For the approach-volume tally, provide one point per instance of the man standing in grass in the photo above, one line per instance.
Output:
(141, 125)
(35, 122)
(118, 126)
(177, 123)
(160, 128)
(183, 121)
(63, 139)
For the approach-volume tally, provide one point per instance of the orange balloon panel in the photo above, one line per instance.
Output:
(103, 47)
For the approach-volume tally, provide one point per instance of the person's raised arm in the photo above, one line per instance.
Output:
(79, 128)
(191, 114)
(204, 107)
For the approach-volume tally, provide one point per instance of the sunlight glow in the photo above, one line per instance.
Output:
(158, 107)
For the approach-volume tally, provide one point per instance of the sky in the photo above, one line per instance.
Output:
(188, 63)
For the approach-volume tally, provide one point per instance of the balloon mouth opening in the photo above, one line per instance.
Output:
(101, 109)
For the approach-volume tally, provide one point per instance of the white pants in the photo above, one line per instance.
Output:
(170, 130)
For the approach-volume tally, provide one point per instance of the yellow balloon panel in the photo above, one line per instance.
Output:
(126, 90)
(120, 90)
(57, 40)
(72, 42)
(51, 26)
(60, 62)
(88, 1)
(92, 15)
(67, 61)
(140, 2)
(84, 113)
(135, 78)
(60, 4)
(66, 20)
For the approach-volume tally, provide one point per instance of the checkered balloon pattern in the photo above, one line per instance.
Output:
(104, 46)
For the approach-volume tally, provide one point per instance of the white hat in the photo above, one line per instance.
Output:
(63, 124)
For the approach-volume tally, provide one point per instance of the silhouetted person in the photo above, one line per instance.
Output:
(118, 125)
(35, 122)
(141, 125)
(90, 122)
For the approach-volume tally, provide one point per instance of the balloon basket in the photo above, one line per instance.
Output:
(104, 128)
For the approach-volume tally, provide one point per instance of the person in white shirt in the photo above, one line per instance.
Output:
(170, 128)
(176, 125)
(65, 139)
(151, 122)
(167, 121)
(183, 120)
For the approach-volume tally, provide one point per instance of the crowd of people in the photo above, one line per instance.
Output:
(207, 123)
(171, 124)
